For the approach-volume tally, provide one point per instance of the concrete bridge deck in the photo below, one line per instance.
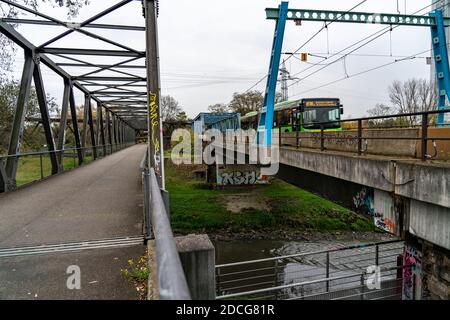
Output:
(100, 200)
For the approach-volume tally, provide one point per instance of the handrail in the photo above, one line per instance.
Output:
(398, 115)
(172, 284)
(303, 283)
(38, 153)
(144, 162)
(303, 254)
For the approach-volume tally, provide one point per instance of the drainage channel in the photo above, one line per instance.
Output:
(71, 246)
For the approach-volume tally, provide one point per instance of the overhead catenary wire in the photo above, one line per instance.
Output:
(375, 36)
(363, 72)
(309, 40)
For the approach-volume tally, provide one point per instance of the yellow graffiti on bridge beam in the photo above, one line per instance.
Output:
(153, 118)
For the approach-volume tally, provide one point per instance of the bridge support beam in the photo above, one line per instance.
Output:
(156, 152)
(439, 43)
(108, 129)
(19, 120)
(114, 135)
(85, 124)
(92, 129)
(63, 125)
(119, 129)
(76, 131)
(101, 127)
(3, 178)
(45, 116)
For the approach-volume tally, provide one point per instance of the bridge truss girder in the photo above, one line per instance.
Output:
(117, 90)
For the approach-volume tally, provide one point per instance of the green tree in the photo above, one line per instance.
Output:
(246, 102)
(182, 116)
(33, 135)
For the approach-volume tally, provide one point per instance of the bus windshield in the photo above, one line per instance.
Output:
(312, 117)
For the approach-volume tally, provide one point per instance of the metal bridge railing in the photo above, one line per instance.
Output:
(68, 159)
(419, 120)
(322, 274)
(358, 290)
(172, 283)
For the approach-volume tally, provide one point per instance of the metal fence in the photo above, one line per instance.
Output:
(35, 166)
(172, 283)
(339, 273)
(380, 122)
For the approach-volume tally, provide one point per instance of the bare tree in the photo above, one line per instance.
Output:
(380, 110)
(218, 108)
(170, 108)
(413, 95)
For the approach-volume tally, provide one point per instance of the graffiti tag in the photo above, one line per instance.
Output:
(154, 125)
(385, 224)
(412, 273)
(238, 178)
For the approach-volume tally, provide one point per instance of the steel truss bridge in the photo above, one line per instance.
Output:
(117, 90)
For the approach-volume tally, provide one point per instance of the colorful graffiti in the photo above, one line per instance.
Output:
(385, 224)
(238, 178)
(364, 200)
(412, 273)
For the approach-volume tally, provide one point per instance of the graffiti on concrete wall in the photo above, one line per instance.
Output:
(412, 273)
(385, 224)
(336, 139)
(364, 201)
(238, 178)
(377, 204)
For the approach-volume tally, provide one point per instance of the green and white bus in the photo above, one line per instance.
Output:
(309, 114)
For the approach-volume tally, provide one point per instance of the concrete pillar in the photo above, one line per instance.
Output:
(197, 255)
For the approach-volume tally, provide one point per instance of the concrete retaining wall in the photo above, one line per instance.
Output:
(425, 187)
(369, 172)
(347, 141)
(430, 222)
(436, 275)
(426, 182)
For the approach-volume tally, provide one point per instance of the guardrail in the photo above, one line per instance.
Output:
(44, 167)
(324, 274)
(172, 284)
(373, 123)
(388, 289)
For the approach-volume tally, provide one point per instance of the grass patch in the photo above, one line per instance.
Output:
(137, 272)
(29, 167)
(195, 207)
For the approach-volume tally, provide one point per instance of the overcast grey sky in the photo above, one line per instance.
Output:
(211, 48)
